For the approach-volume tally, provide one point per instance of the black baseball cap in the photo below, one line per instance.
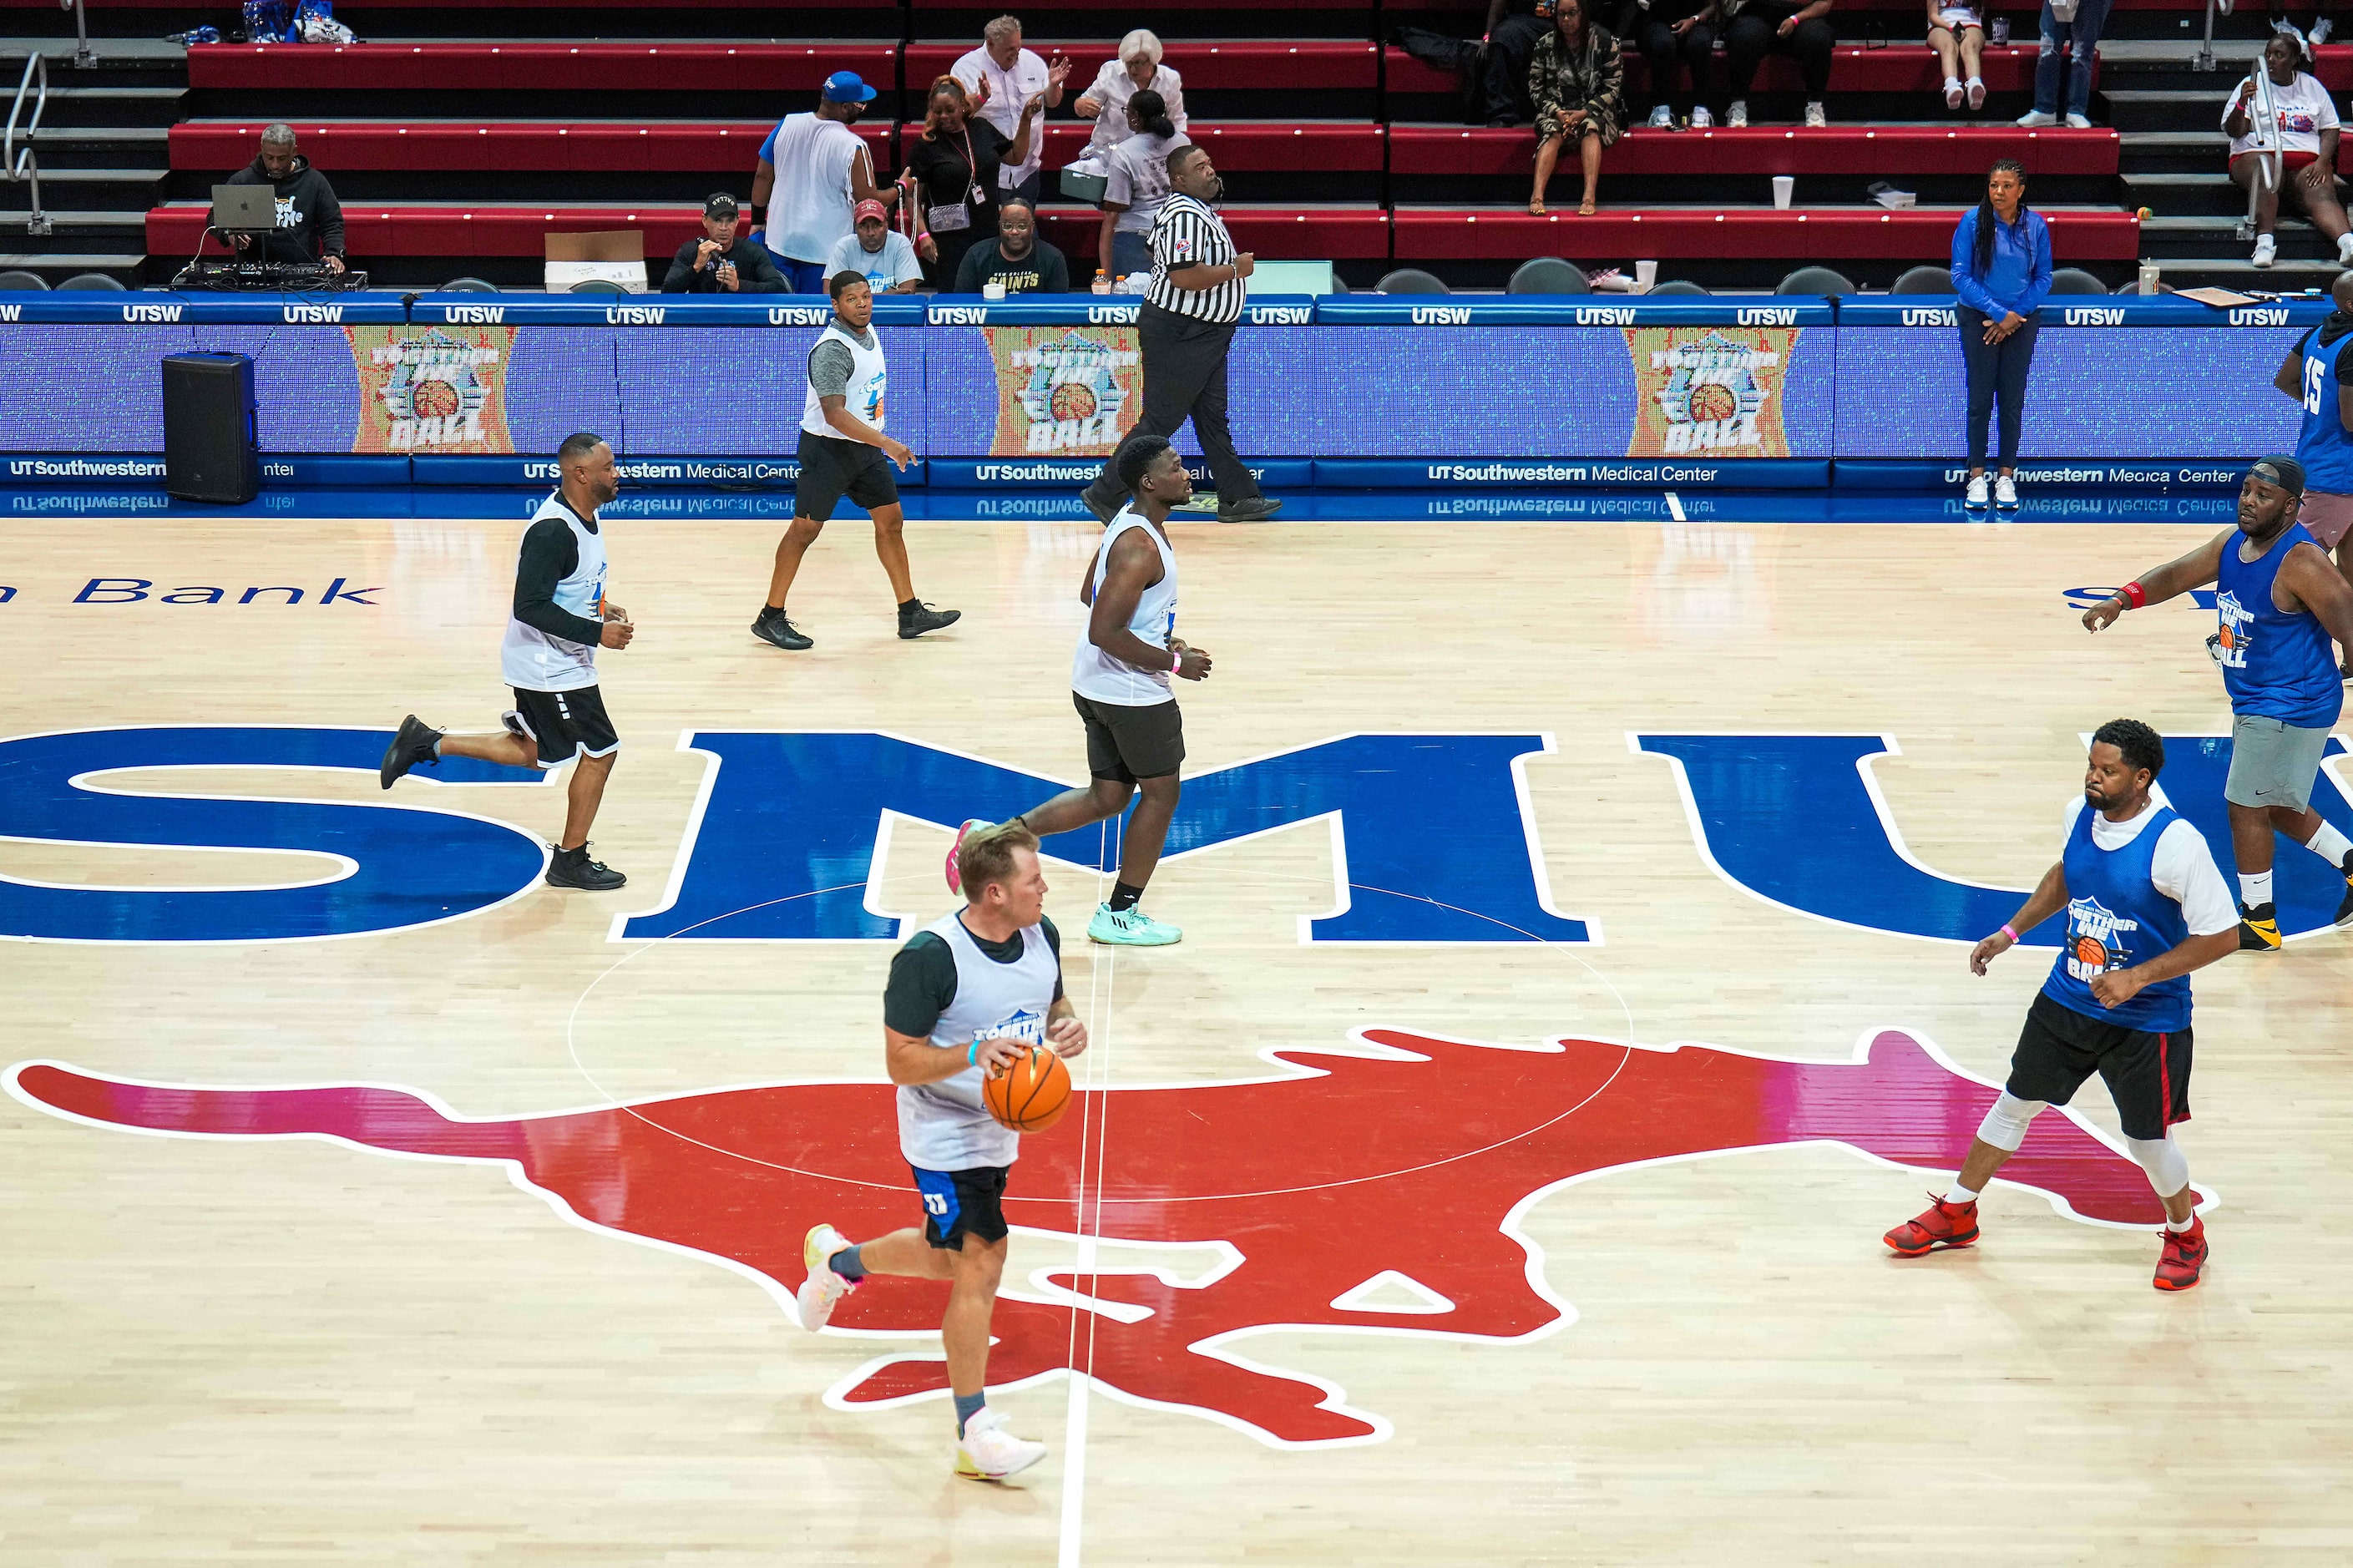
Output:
(720, 205)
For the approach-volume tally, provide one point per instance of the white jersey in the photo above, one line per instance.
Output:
(870, 378)
(1100, 677)
(944, 1126)
(531, 660)
(809, 212)
(2182, 868)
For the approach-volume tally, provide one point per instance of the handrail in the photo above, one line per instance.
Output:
(2270, 167)
(84, 57)
(24, 166)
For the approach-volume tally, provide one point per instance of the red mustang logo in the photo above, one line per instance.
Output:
(1316, 1189)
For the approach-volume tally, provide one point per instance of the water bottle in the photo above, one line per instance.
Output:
(1102, 281)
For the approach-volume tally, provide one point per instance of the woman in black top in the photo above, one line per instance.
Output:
(953, 166)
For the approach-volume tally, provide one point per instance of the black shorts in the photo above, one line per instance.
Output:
(566, 725)
(959, 1202)
(1131, 744)
(2148, 1074)
(831, 469)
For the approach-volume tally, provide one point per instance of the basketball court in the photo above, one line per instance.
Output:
(1495, 1172)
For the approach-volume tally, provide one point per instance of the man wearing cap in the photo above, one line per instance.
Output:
(818, 171)
(720, 263)
(1001, 76)
(880, 254)
(2280, 600)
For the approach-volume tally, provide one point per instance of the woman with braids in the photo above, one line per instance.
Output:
(2001, 270)
(1578, 87)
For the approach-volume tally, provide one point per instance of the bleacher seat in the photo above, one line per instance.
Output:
(1277, 232)
(515, 66)
(1872, 151)
(19, 282)
(452, 229)
(1410, 280)
(1924, 281)
(2075, 280)
(1547, 275)
(1900, 68)
(1816, 280)
(344, 146)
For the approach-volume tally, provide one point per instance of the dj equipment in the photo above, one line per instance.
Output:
(211, 449)
(268, 276)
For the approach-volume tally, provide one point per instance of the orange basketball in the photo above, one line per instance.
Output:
(2088, 952)
(1031, 1095)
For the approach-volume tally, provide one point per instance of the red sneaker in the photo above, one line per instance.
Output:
(1945, 1225)
(2184, 1258)
(955, 878)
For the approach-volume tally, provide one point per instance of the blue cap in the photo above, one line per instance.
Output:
(847, 86)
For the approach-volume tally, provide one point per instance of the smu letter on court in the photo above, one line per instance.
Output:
(1431, 833)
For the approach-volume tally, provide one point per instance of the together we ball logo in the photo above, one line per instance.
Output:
(1709, 390)
(1064, 389)
(438, 389)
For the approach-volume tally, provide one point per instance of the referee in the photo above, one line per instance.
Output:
(1185, 328)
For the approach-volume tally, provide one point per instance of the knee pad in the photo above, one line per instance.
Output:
(2005, 1125)
(2168, 1166)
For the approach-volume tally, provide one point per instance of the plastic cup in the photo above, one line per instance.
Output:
(1784, 187)
(992, 289)
(1646, 274)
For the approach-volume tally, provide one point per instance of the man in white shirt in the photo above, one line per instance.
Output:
(881, 253)
(818, 170)
(1001, 76)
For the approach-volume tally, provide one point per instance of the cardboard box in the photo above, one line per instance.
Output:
(611, 256)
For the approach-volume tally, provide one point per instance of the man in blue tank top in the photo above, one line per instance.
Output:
(2279, 601)
(2145, 906)
(2315, 375)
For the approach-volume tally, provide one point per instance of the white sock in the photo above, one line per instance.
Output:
(2327, 842)
(2172, 1224)
(2255, 891)
(1958, 1194)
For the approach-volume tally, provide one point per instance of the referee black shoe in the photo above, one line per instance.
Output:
(1103, 514)
(920, 618)
(573, 868)
(771, 626)
(1257, 509)
(412, 746)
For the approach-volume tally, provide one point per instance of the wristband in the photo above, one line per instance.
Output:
(2134, 595)
(1176, 661)
(2007, 931)
(972, 1053)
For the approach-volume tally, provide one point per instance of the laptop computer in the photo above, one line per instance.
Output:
(245, 209)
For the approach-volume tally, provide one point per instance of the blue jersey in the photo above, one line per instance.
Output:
(2324, 447)
(2116, 918)
(2274, 665)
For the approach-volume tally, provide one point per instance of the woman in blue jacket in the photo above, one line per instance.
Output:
(2001, 270)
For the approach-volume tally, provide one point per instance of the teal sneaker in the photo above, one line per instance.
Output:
(1129, 928)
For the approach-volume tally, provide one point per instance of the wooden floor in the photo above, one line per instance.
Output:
(297, 1351)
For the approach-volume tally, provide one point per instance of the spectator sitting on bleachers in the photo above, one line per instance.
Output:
(880, 253)
(1677, 32)
(954, 165)
(1001, 76)
(310, 220)
(1137, 185)
(1578, 83)
(1752, 29)
(1504, 50)
(818, 170)
(1137, 69)
(1956, 32)
(720, 262)
(2304, 136)
(1017, 257)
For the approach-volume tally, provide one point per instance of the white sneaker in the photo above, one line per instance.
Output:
(1701, 119)
(2320, 31)
(2005, 494)
(1662, 119)
(987, 1452)
(1130, 927)
(2035, 119)
(2079, 122)
(1817, 116)
(823, 1289)
(2282, 25)
(2266, 249)
(1976, 500)
(1737, 120)
(1976, 93)
(1952, 92)
(2345, 251)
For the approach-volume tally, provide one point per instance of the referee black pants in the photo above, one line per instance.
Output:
(1184, 375)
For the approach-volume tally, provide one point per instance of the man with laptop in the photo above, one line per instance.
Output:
(303, 223)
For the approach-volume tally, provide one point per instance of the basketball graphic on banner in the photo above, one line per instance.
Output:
(1709, 391)
(432, 389)
(1064, 390)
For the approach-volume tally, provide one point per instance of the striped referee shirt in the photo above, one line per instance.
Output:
(1186, 233)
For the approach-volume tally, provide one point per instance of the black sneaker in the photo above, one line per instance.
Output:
(771, 626)
(573, 868)
(2259, 928)
(1257, 509)
(2344, 909)
(412, 746)
(922, 618)
(1103, 514)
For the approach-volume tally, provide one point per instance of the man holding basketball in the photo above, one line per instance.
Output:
(969, 995)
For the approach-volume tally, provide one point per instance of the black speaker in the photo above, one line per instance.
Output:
(210, 447)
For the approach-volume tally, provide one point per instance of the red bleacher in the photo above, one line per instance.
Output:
(1824, 233)
(1239, 145)
(454, 230)
(1903, 150)
(1204, 64)
(531, 145)
(1898, 68)
(509, 65)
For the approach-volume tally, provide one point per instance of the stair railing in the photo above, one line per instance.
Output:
(2264, 116)
(20, 166)
(84, 57)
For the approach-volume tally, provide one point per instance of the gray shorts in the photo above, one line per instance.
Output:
(2273, 763)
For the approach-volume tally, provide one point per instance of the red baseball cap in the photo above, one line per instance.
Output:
(870, 208)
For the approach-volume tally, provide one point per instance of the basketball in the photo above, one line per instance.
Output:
(1031, 1095)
